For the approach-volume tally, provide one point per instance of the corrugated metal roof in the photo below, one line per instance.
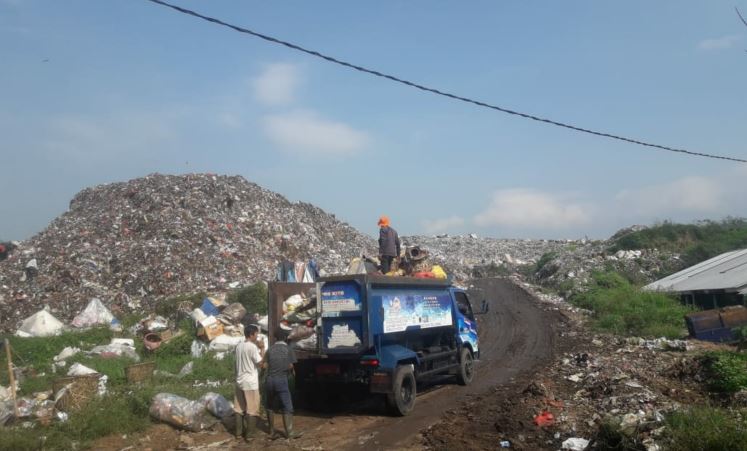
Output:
(724, 272)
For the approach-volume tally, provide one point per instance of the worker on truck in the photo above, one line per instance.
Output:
(388, 244)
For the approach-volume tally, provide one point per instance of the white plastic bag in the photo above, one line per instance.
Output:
(224, 343)
(94, 314)
(198, 348)
(80, 370)
(40, 324)
(181, 412)
(292, 303)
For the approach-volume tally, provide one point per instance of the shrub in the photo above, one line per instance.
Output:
(696, 242)
(707, 429)
(253, 298)
(728, 371)
(621, 308)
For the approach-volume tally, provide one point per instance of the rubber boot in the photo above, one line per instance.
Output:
(288, 424)
(238, 425)
(271, 424)
(250, 425)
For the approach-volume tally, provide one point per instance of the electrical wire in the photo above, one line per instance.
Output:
(439, 92)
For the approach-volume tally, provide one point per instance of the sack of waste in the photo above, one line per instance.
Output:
(181, 412)
(40, 324)
(216, 404)
(300, 332)
(94, 314)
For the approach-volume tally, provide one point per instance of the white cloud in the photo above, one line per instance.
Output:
(442, 225)
(532, 209)
(723, 42)
(305, 132)
(694, 194)
(276, 85)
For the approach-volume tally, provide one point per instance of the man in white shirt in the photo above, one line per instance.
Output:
(249, 354)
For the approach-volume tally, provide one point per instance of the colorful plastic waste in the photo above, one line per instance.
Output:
(544, 419)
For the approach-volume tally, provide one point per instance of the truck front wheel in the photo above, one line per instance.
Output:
(466, 367)
(402, 400)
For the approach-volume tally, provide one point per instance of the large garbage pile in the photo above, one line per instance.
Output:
(560, 261)
(139, 241)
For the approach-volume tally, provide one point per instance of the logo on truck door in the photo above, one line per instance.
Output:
(415, 310)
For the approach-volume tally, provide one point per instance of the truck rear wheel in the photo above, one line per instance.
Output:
(466, 367)
(402, 400)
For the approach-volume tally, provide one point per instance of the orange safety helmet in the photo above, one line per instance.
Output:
(384, 221)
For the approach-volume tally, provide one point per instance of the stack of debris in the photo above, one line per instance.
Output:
(140, 241)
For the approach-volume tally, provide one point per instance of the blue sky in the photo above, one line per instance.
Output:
(101, 91)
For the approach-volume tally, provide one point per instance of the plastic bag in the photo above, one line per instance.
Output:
(307, 343)
(181, 412)
(95, 313)
(66, 353)
(300, 332)
(224, 343)
(80, 370)
(40, 324)
(292, 303)
(115, 350)
(216, 404)
(198, 349)
(234, 312)
(439, 272)
(187, 369)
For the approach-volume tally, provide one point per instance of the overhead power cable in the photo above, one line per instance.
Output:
(439, 92)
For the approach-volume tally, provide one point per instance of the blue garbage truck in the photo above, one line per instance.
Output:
(385, 333)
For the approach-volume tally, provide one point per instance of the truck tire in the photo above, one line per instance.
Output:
(402, 400)
(466, 367)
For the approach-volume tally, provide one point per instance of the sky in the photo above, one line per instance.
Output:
(103, 91)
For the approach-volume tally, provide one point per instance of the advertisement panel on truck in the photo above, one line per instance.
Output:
(407, 310)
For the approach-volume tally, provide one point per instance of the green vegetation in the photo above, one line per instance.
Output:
(727, 371)
(696, 242)
(544, 260)
(707, 429)
(168, 308)
(621, 308)
(124, 409)
(253, 298)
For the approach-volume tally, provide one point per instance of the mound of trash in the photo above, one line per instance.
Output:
(149, 238)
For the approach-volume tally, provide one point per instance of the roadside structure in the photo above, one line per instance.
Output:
(718, 282)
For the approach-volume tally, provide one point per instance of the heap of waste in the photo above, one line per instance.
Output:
(136, 242)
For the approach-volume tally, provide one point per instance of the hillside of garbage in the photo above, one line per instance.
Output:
(133, 243)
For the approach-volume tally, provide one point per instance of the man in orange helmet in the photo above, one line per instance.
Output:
(388, 244)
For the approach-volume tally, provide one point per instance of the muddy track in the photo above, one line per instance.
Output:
(516, 337)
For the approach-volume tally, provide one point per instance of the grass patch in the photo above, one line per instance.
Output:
(707, 429)
(696, 242)
(621, 308)
(124, 409)
(727, 371)
(37, 353)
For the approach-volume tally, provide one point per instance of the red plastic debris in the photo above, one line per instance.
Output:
(544, 419)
